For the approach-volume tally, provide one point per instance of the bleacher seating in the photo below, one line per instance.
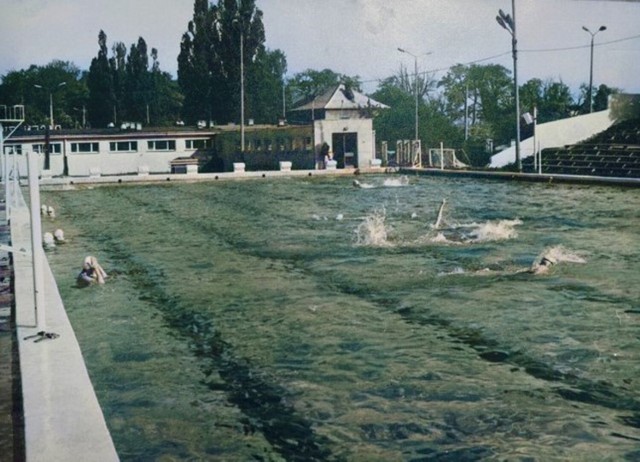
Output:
(614, 152)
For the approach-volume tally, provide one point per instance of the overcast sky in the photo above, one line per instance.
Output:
(354, 37)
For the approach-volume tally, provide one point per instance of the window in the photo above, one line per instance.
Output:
(123, 146)
(85, 147)
(13, 149)
(54, 148)
(197, 144)
(161, 145)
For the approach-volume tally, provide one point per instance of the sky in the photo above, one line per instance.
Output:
(353, 37)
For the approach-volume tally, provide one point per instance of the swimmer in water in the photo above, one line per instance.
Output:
(543, 266)
(91, 272)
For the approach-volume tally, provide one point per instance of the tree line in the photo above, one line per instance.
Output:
(466, 107)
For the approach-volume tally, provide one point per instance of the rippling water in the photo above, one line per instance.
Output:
(306, 319)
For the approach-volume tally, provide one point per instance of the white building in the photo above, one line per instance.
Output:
(106, 151)
(343, 119)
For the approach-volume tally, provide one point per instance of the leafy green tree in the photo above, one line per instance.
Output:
(601, 98)
(557, 102)
(398, 122)
(165, 102)
(311, 83)
(265, 84)
(532, 94)
(32, 87)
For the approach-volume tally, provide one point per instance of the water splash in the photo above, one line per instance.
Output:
(359, 184)
(373, 231)
(473, 233)
(494, 231)
(438, 222)
(396, 182)
(559, 254)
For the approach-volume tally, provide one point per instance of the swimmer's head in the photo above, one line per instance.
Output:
(547, 261)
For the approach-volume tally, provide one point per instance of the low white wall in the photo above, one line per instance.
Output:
(555, 134)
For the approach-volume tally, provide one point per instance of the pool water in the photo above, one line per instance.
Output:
(308, 319)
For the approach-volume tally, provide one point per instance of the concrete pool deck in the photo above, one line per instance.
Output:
(62, 417)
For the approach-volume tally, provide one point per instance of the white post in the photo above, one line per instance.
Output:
(37, 253)
(441, 155)
(535, 145)
(15, 180)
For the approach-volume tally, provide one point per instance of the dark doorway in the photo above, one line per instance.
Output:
(345, 149)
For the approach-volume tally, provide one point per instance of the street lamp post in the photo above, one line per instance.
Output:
(61, 84)
(593, 34)
(238, 20)
(415, 61)
(241, 90)
(47, 157)
(508, 22)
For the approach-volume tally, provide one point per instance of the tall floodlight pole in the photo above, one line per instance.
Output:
(593, 34)
(415, 67)
(61, 84)
(508, 22)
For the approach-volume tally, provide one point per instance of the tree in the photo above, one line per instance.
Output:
(138, 82)
(266, 82)
(125, 87)
(311, 83)
(557, 102)
(101, 86)
(33, 88)
(398, 122)
(209, 59)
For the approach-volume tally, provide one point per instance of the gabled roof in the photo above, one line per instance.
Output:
(340, 98)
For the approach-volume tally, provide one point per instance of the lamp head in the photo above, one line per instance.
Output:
(602, 28)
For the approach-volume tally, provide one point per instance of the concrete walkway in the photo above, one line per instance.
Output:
(62, 418)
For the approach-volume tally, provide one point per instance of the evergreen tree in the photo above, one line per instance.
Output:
(209, 59)
(100, 84)
(138, 82)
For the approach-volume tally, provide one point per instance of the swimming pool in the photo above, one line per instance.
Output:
(306, 319)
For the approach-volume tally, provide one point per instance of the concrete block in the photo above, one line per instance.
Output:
(376, 163)
(94, 172)
(238, 167)
(285, 166)
(143, 170)
(332, 165)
